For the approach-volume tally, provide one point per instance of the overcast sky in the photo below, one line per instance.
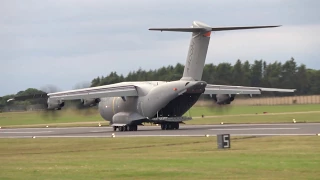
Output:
(66, 42)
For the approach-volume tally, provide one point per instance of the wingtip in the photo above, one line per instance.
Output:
(12, 99)
(155, 29)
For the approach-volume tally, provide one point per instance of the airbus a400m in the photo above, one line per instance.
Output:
(128, 104)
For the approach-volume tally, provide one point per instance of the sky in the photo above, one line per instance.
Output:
(69, 42)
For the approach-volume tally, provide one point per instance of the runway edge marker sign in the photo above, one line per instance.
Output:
(223, 141)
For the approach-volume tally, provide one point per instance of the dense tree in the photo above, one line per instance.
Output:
(288, 74)
(276, 74)
(246, 69)
(238, 74)
(256, 73)
(208, 73)
(3, 100)
(95, 82)
(223, 74)
(314, 81)
(302, 80)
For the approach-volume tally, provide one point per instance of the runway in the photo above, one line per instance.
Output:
(185, 130)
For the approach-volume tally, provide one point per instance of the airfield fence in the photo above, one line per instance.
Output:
(261, 101)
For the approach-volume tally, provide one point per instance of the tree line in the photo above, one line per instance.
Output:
(29, 91)
(258, 74)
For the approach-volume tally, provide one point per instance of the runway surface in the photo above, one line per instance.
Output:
(185, 130)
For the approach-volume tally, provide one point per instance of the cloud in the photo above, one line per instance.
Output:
(270, 44)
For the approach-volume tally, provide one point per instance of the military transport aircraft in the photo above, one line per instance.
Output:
(128, 104)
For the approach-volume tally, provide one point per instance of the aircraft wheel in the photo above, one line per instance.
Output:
(166, 127)
(163, 127)
(121, 128)
(176, 125)
(126, 128)
(132, 128)
(114, 128)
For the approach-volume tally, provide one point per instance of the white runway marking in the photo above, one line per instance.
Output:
(53, 128)
(203, 135)
(97, 131)
(245, 129)
(123, 136)
(26, 132)
(154, 131)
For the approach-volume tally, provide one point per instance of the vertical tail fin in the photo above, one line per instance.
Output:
(199, 46)
(197, 53)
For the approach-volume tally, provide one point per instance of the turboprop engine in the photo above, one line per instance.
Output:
(223, 98)
(90, 102)
(54, 104)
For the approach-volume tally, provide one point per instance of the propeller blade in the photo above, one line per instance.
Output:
(218, 108)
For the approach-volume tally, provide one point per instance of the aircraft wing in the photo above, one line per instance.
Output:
(86, 93)
(95, 92)
(225, 89)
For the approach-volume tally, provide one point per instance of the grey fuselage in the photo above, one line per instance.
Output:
(156, 99)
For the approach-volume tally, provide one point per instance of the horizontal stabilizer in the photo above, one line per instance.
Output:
(178, 29)
(201, 27)
(239, 28)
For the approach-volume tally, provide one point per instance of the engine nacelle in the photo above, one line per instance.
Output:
(54, 104)
(90, 102)
(223, 98)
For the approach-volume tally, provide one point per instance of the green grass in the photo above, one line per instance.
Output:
(294, 157)
(265, 118)
(232, 114)
(256, 114)
(31, 118)
(234, 110)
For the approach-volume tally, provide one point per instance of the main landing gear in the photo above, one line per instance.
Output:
(126, 128)
(164, 126)
(170, 126)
